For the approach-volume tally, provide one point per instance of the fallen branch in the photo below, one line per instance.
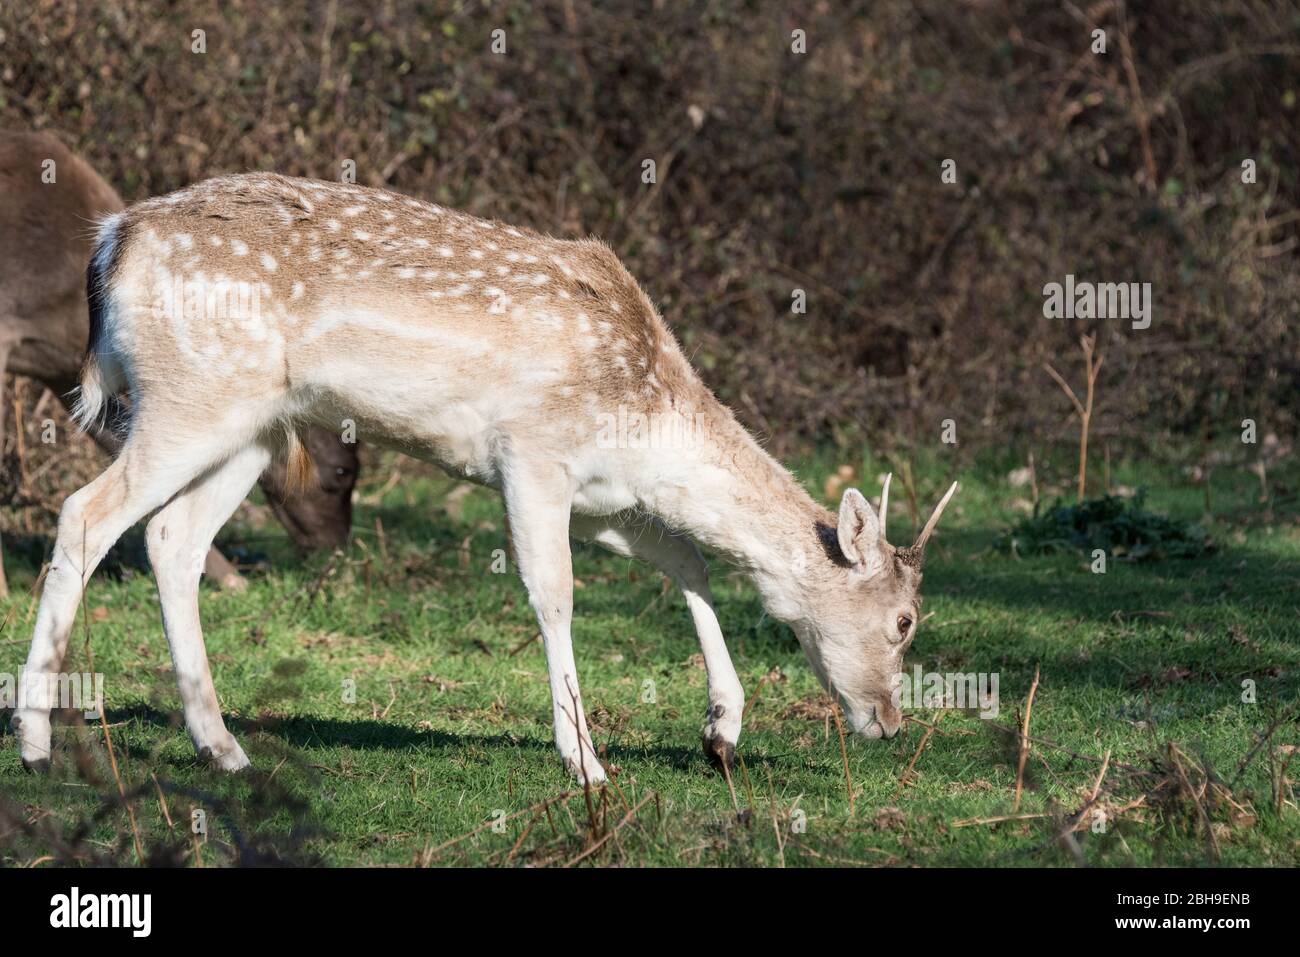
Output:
(974, 821)
(612, 831)
(1024, 740)
(906, 777)
(540, 806)
(844, 751)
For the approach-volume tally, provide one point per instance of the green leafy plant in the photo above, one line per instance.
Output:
(1123, 527)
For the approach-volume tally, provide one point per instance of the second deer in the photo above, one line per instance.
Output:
(53, 200)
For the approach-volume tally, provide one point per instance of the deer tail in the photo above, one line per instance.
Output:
(102, 375)
(298, 468)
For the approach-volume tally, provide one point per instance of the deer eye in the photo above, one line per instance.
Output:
(904, 625)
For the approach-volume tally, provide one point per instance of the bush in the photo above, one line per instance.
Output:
(1121, 527)
(779, 171)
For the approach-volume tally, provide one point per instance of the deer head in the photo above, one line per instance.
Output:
(861, 611)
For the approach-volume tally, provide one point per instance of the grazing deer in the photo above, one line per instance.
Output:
(529, 364)
(45, 230)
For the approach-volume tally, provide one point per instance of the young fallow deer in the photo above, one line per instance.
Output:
(45, 242)
(498, 353)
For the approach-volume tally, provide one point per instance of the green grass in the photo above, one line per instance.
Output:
(450, 723)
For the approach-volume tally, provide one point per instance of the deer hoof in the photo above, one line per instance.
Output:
(720, 752)
(37, 765)
(230, 758)
(590, 771)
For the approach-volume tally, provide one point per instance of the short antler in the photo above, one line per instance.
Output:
(934, 520)
(884, 507)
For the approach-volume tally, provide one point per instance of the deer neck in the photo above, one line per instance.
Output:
(737, 500)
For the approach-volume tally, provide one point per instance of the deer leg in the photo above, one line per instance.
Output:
(179, 536)
(216, 566)
(678, 558)
(140, 480)
(537, 505)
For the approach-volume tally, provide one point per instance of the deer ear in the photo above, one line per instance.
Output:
(859, 533)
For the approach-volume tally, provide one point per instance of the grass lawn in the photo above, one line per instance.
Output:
(393, 700)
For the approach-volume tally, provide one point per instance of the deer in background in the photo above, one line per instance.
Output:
(45, 237)
(507, 357)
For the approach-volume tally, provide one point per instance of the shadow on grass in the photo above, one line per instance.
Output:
(1186, 624)
(306, 734)
(248, 820)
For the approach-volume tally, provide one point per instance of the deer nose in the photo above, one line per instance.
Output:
(868, 723)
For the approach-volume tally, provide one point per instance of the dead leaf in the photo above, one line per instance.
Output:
(1238, 634)
(444, 684)
(888, 819)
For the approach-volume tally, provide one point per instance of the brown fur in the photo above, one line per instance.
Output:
(44, 244)
(299, 471)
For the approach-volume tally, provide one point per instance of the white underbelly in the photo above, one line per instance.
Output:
(603, 495)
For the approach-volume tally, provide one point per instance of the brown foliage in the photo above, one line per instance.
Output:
(777, 171)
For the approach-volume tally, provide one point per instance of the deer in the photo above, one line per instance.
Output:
(522, 362)
(45, 230)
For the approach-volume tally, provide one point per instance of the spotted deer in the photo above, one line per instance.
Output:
(52, 200)
(526, 363)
